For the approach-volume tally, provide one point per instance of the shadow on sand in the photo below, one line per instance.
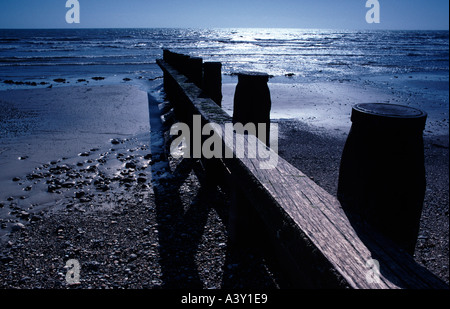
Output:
(192, 215)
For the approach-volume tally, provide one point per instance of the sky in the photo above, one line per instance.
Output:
(317, 14)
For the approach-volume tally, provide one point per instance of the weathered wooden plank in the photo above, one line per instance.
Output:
(314, 238)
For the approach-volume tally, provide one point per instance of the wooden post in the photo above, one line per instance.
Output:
(382, 173)
(195, 70)
(252, 101)
(167, 56)
(180, 62)
(212, 81)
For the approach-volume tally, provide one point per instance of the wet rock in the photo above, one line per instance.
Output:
(53, 188)
(85, 200)
(16, 227)
(59, 80)
(84, 154)
(15, 179)
(34, 176)
(91, 169)
(68, 184)
(23, 215)
(35, 218)
(130, 165)
(98, 78)
(6, 259)
(80, 194)
(103, 187)
(92, 266)
(115, 141)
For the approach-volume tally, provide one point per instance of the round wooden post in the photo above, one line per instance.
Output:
(252, 101)
(195, 70)
(382, 172)
(167, 56)
(212, 81)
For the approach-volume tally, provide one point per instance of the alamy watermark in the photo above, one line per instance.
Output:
(73, 14)
(373, 274)
(240, 140)
(373, 15)
(73, 271)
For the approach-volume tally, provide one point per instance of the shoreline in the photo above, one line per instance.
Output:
(50, 124)
(328, 104)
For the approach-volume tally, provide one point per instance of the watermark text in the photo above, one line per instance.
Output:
(73, 14)
(225, 142)
(373, 15)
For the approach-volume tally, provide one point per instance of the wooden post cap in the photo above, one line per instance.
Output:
(389, 116)
(253, 77)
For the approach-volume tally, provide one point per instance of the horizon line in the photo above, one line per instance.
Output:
(202, 28)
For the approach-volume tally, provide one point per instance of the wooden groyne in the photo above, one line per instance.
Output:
(303, 226)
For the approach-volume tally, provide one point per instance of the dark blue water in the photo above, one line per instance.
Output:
(306, 54)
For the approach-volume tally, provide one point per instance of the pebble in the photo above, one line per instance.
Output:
(68, 184)
(24, 214)
(130, 165)
(53, 188)
(17, 227)
(79, 194)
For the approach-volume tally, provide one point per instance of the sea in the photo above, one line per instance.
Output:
(288, 55)
(412, 67)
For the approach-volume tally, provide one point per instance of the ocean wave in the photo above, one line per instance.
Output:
(271, 50)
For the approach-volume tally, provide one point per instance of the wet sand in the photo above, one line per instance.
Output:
(44, 125)
(328, 104)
